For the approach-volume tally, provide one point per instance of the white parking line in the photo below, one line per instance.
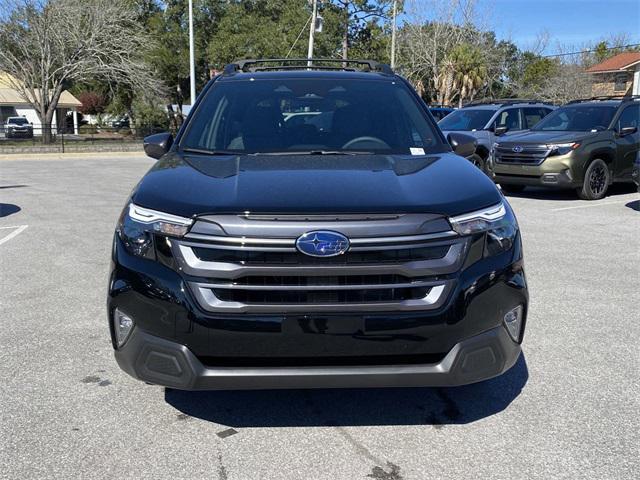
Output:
(595, 204)
(18, 230)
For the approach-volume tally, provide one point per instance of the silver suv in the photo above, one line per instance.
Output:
(18, 127)
(487, 120)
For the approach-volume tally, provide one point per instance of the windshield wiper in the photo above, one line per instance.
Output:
(204, 151)
(317, 152)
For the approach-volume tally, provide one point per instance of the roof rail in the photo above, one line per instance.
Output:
(273, 64)
(502, 101)
(603, 98)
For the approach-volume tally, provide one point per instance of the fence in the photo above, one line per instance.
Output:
(40, 139)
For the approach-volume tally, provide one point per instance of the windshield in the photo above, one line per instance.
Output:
(467, 119)
(18, 121)
(578, 118)
(326, 115)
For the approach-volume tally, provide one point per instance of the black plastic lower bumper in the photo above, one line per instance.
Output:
(171, 364)
(551, 180)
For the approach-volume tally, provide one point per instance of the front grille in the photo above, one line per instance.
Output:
(530, 155)
(244, 257)
(310, 297)
(399, 270)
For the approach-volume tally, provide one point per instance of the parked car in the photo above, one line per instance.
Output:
(18, 127)
(488, 120)
(586, 145)
(440, 112)
(368, 254)
(119, 123)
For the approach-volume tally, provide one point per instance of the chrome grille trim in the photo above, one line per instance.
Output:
(530, 155)
(250, 264)
(192, 265)
(373, 286)
(288, 244)
(207, 300)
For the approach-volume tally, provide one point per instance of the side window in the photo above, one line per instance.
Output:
(533, 115)
(630, 117)
(509, 118)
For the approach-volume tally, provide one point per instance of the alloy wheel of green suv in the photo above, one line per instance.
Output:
(596, 181)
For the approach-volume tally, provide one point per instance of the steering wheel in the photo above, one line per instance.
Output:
(366, 143)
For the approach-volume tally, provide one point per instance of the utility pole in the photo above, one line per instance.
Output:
(393, 35)
(192, 59)
(312, 30)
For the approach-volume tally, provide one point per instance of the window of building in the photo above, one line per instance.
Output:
(620, 82)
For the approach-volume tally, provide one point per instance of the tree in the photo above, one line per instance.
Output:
(426, 42)
(93, 103)
(358, 15)
(47, 46)
(270, 29)
(470, 71)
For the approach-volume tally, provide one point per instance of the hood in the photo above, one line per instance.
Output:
(194, 185)
(472, 133)
(539, 137)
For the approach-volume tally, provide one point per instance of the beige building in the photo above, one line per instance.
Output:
(12, 104)
(618, 75)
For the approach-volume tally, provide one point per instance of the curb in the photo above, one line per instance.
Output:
(70, 155)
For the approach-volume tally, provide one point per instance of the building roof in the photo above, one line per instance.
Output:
(620, 62)
(10, 96)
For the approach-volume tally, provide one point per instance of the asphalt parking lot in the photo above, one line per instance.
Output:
(568, 409)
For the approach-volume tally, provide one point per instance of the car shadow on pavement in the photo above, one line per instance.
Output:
(537, 193)
(635, 205)
(353, 407)
(7, 209)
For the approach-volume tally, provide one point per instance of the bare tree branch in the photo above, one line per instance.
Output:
(48, 45)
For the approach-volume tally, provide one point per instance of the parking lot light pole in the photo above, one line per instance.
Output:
(393, 35)
(312, 30)
(192, 61)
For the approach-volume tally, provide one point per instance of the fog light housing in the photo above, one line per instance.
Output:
(122, 327)
(513, 322)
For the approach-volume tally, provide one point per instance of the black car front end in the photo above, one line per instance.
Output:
(197, 304)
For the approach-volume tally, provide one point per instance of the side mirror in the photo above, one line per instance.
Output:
(500, 130)
(628, 131)
(157, 145)
(463, 145)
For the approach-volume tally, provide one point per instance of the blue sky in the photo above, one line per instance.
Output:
(569, 22)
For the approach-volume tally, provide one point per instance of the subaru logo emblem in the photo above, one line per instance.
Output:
(322, 243)
(517, 149)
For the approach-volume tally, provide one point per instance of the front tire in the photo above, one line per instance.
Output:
(596, 181)
(478, 162)
(511, 188)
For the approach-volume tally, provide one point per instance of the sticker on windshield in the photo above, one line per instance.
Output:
(416, 151)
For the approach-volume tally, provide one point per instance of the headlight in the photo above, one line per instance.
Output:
(562, 148)
(498, 222)
(137, 226)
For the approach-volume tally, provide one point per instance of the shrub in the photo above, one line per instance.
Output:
(87, 129)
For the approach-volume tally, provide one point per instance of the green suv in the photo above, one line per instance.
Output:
(586, 145)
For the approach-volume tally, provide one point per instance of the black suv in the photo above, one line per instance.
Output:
(348, 248)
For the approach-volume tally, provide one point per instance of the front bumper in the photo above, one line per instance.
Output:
(26, 133)
(562, 171)
(156, 360)
(177, 344)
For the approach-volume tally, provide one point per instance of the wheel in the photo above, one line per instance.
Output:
(596, 181)
(478, 162)
(511, 188)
